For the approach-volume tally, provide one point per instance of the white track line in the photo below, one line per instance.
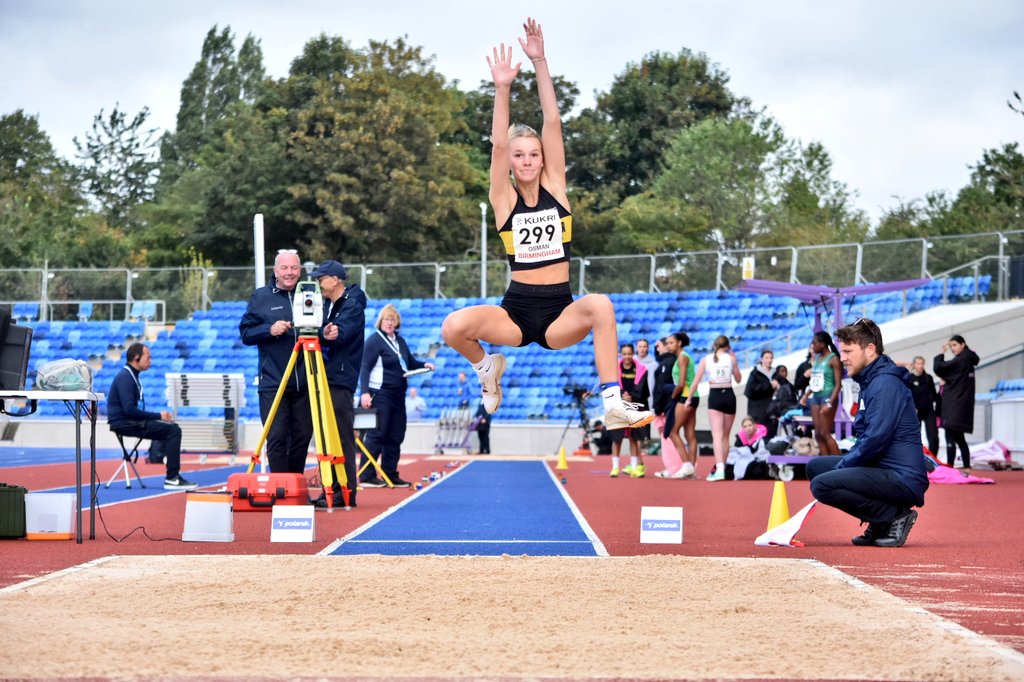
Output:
(17, 587)
(326, 551)
(599, 547)
(950, 626)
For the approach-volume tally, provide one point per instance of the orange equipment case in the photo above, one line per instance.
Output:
(260, 492)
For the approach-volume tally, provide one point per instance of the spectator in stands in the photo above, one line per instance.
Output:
(802, 376)
(783, 400)
(534, 222)
(462, 391)
(664, 408)
(415, 405)
(650, 363)
(760, 388)
(684, 405)
(267, 324)
(957, 396)
(382, 380)
(722, 369)
(883, 475)
(824, 381)
(483, 429)
(127, 415)
(633, 384)
(926, 398)
(342, 343)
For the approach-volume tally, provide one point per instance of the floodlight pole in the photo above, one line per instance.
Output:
(258, 255)
(483, 249)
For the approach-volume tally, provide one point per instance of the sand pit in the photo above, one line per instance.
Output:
(652, 617)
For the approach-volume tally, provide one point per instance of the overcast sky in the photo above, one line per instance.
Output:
(904, 95)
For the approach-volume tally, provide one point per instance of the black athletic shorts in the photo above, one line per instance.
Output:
(722, 400)
(694, 401)
(533, 307)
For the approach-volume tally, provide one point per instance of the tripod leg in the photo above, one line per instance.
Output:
(273, 408)
(376, 465)
(325, 425)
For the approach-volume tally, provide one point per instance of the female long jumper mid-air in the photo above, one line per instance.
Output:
(535, 225)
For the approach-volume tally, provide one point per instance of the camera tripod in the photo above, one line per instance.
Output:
(326, 439)
(581, 406)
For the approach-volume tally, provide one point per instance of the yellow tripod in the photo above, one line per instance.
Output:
(329, 453)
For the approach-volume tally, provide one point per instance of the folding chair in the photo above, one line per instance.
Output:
(128, 461)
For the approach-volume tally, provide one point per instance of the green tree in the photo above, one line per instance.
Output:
(118, 164)
(725, 169)
(218, 82)
(374, 180)
(524, 107)
(809, 205)
(615, 149)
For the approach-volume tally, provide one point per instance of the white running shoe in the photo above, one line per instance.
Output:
(685, 472)
(491, 383)
(627, 416)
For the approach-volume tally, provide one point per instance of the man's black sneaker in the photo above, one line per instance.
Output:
(178, 483)
(373, 483)
(339, 501)
(899, 530)
(399, 483)
(873, 532)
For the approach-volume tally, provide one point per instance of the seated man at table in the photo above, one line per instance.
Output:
(126, 417)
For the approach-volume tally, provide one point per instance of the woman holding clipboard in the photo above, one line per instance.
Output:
(387, 362)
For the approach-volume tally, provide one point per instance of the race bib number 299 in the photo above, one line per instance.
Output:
(537, 237)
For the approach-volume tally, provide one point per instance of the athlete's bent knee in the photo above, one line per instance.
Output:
(453, 328)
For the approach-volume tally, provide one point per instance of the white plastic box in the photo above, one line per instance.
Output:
(49, 516)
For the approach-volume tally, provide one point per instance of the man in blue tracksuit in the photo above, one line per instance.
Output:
(341, 340)
(267, 323)
(884, 474)
(126, 418)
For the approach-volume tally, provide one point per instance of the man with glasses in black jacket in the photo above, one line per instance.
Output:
(267, 324)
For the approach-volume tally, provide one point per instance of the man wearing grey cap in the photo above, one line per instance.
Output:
(342, 342)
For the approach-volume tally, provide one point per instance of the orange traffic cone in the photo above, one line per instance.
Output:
(563, 464)
(779, 513)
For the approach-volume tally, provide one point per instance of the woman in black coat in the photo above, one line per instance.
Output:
(957, 396)
(382, 380)
(760, 388)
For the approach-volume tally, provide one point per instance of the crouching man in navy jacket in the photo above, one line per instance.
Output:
(884, 475)
(126, 418)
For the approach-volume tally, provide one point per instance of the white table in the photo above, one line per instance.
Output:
(74, 400)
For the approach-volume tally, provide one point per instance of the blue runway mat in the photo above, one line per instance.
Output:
(486, 509)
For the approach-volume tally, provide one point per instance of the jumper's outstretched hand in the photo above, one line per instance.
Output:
(533, 46)
(502, 71)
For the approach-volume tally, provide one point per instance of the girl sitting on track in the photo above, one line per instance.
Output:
(722, 369)
(534, 222)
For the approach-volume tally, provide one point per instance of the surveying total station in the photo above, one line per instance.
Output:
(307, 317)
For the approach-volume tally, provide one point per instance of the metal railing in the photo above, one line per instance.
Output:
(188, 289)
